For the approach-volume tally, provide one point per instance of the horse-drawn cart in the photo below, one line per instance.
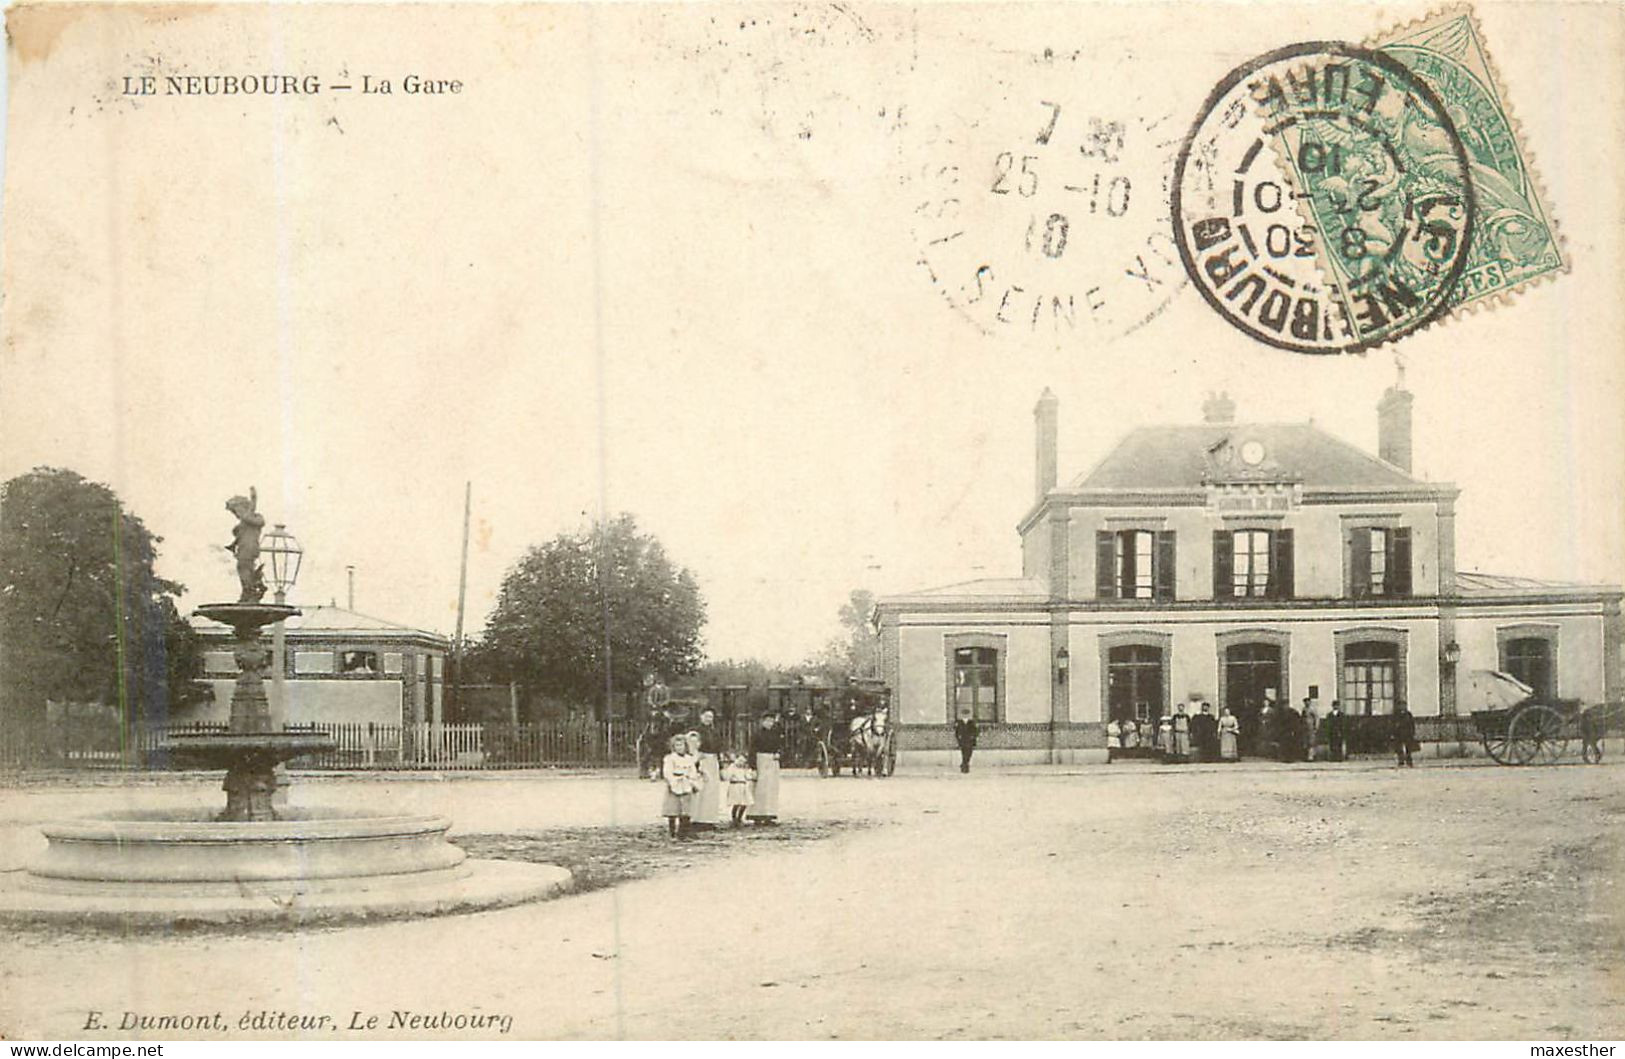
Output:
(857, 734)
(1527, 732)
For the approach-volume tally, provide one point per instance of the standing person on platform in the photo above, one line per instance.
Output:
(1182, 734)
(1336, 733)
(1205, 734)
(708, 805)
(1267, 724)
(1229, 736)
(966, 732)
(1288, 738)
(1311, 729)
(1404, 731)
(764, 758)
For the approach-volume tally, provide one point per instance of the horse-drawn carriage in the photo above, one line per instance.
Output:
(1518, 730)
(836, 728)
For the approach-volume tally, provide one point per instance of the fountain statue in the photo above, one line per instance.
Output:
(250, 862)
(249, 749)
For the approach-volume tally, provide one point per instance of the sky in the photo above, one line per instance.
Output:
(669, 262)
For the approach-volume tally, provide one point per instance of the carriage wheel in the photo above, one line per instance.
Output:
(888, 760)
(1536, 736)
(1496, 747)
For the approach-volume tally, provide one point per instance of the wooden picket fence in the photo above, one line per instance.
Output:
(560, 744)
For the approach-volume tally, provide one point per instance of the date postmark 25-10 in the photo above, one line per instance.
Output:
(1041, 212)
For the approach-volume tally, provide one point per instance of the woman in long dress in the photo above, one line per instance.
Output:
(764, 758)
(1229, 736)
(1182, 733)
(708, 806)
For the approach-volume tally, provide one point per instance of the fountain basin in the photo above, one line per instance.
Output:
(149, 848)
(146, 870)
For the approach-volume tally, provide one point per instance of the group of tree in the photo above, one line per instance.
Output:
(583, 617)
(580, 619)
(84, 616)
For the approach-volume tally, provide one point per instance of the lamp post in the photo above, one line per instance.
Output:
(285, 554)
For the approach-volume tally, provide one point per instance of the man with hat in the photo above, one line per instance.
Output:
(965, 733)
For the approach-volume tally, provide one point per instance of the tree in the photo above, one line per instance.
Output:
(856, 653)
(83, 615)
(592, 612)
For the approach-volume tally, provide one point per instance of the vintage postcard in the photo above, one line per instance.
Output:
(806, 521)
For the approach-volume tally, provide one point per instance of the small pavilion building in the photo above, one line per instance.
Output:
(339, 667)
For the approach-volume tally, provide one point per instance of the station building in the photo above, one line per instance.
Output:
(1231, 562)
(339, 667)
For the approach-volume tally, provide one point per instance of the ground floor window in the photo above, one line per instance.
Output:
(1370, 678)
(976, 682)
(1134, 686)
(1529, 659)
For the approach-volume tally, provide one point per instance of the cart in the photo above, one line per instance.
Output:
(1539, 733)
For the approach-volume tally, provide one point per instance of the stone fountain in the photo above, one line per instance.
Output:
(252, 862)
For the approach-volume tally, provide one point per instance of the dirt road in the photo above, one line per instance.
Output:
(1120, 902)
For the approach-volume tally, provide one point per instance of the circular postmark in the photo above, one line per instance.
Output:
(1321, 201)
(1041, 208)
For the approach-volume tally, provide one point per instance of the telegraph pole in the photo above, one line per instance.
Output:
(462, 598)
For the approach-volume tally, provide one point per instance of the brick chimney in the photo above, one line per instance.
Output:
(1218, 408)
(1394, 425)
(1047, 415)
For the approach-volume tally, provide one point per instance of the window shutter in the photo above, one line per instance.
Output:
(1360, 562)
(1282, 543)
(1224, 585)
(1105, 552)
(1165, 568)
(1399, 561)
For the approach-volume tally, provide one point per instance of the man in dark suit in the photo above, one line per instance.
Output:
(1404, 732)
(1336, 733)
(965, 733)
(1205, 734)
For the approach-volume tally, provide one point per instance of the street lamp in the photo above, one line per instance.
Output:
(1062, 661)
(285, 554)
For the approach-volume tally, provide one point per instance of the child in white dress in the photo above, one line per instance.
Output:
(680, 770)
(739, 777)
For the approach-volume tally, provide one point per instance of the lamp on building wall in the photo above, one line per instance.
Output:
(1452, 653)
(1062, 660)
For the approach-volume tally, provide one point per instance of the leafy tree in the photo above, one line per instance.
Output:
(856, 653)
(83, 615)
(591, 612)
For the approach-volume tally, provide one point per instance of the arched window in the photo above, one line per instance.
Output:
(1134, 684)
(1529, 658)
(1370, 678)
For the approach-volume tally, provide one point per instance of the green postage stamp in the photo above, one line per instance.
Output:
(1409, 166)
(1515, 240)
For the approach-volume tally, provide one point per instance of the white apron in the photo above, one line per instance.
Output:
(708, 803)
(767, 786)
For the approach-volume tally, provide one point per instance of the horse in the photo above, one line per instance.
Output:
(867, 739)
